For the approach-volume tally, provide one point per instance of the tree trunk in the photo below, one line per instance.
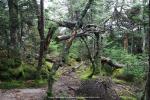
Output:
(14, 23)
(132, 42)
(125, 41)
(41, 33)
(90, 57)
(143, 31)
(97, 57)
(53, 70)
(147, 93)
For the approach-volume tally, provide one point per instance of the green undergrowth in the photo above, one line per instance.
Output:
(123, 75)
(23, 84)
(86, 73)
(135, 66)
(23, 72)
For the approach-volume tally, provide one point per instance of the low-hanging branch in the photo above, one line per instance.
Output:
(104, 60)
(66, 24)
(86, 31)
(66, 37)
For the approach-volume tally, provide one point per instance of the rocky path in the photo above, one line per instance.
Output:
(23, 94)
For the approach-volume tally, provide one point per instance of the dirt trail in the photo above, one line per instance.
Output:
(66, 85)
(23, 94)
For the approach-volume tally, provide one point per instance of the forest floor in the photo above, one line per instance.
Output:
(69, 82)
(23, 94)
(65, 86)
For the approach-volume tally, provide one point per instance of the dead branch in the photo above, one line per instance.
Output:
(66, 37)
(108, 61)
(67, 24)
(104, 60)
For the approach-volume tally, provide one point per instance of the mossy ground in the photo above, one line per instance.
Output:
(23, 84)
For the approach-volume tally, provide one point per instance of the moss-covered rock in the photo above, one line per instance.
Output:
(101, 88)
(86, 73)
(123, 75)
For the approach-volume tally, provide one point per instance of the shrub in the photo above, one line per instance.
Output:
(28, 72)
(135, 64)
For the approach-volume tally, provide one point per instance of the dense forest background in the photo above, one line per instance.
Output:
(100, 47)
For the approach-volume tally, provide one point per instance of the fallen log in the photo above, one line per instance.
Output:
(108, 61)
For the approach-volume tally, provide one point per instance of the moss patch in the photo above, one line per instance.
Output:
(23, 84)
(117, 81)
(46, 69)
(123, 75)
(86, 73)
(127, 98)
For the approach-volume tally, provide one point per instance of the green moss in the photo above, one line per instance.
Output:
(86, 73)
(81, 98)
(11, 85)
(46, 69)
(117, 81)
(48, 64)
(23, 84)
(71, 61)
(127, 98)
(118, 72)
(57, 75)
(123, 75)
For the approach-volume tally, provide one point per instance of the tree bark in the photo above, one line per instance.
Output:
(49, 36)
(125, 41)
(41, 33)
(90, 57)
(44, 42)
(52, 73)
(97, 56)
(14, 23)
(147, 93)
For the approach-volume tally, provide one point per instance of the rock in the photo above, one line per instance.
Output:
(100, 89)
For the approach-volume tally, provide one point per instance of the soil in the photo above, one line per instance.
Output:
(23, 94)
